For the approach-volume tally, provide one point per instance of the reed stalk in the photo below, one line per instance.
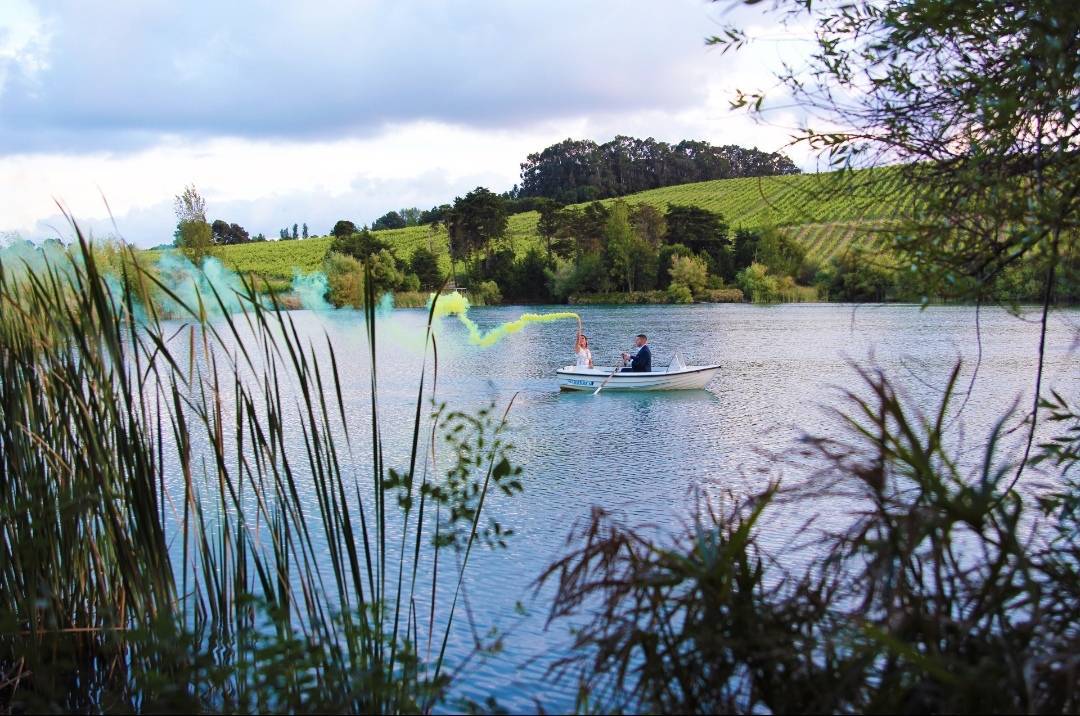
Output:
(182, 523)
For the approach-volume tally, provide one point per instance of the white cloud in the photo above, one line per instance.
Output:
(418, 164)
(287, 69)
(23, 42)
(265, 182)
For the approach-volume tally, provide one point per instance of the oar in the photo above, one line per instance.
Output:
(617, 369)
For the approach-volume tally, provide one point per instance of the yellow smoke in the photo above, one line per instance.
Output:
(454, 304)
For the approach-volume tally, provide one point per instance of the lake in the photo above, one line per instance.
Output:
(641, 454)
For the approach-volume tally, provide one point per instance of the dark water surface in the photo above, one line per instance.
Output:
(642, 453)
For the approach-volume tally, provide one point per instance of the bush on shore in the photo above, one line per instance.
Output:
(619, 298)
(411, 299)
(679, 293)
(729, 294)
(486, 293)
(345, 277)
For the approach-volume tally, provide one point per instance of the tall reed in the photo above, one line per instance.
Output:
(168, 542)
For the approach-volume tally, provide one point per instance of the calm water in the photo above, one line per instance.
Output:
(641, 454)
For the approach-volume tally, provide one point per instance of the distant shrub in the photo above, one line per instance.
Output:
(679, 293)
(411, 299)
(277, 285)
(287, 302)
(620, 298)
(587, 275)
(345, 276)
(755, 282)
(663, 258)
(790, 292)
(691, 272)
(359, 245)
(808, 271)
(782, 254)
(486, 293)
(116, 258)
(723, 295)
(859, 275)
(385, 274)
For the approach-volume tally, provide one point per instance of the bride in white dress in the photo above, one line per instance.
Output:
(581, 347)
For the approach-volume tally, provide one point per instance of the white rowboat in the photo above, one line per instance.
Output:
(690, 377)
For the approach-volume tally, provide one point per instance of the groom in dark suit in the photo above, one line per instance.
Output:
(642, 360)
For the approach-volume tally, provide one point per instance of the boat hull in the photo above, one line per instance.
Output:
(589, 379)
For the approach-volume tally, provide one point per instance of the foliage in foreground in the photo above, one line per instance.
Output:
(180, 525)
(947, 592)
(979, 100)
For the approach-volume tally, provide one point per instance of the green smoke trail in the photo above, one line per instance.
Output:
(454, 304)
(191, 282)
(311, 289)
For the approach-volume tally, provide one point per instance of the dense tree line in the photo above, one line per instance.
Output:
(577, 170)
(680, 254)
(686, 252)
(683, 253)
(590, 249)
(623, 252)
(349, 251)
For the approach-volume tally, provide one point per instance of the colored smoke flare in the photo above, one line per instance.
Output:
(454, 304)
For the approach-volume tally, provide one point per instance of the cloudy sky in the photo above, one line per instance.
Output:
(284, 112)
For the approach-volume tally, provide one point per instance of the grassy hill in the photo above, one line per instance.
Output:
(825, 211)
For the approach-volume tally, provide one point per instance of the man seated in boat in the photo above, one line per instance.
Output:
(641, 361)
